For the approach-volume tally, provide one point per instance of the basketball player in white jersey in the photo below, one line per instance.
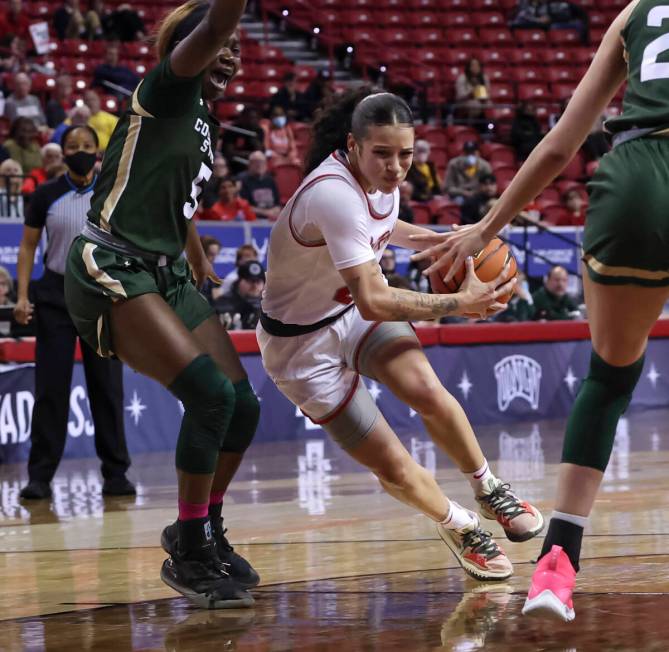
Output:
(328, 317)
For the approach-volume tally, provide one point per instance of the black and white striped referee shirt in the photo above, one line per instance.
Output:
(62, 208)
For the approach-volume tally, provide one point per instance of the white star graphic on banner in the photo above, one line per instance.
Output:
(465, 385)
(653, 375)
(374, 390)
(412, 413)
(136, 407)
(570, 379)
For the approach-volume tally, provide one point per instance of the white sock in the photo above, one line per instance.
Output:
(581, 521)
(478, 480)
(457, 517)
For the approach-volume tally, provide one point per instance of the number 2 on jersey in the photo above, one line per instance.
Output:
(196, 189)
(650, 68)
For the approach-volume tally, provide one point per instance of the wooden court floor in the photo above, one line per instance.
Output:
(343, 566)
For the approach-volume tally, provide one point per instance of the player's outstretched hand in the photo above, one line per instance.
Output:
(450, 248)
(479, 298)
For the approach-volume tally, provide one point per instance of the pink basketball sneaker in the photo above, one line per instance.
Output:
(552, 587)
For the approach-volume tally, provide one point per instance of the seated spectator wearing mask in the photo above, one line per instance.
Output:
(280, 147)
(526, 132)
(11, 180)
(52, 166)
(463, 173)
(240, 307)
(259, 188)
(21, 104)
(244, 254)
(423, 173)
(104, 123)
(220, 171)
(406, 196)
(23, 145)
(475, 207)
(472, 93)
(229, 207)
(551, 302)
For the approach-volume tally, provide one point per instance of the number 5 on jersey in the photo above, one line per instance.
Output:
(196, 190)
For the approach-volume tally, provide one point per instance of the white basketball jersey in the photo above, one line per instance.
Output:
(329, 224)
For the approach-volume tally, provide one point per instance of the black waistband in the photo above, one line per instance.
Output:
(113, 242)
(279, 329)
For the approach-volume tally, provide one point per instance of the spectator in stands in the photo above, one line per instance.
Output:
(259, 188)
(531, 14)
(240, 307)
(126, 24)
(104, 123)
(388, 262)
(551, 302)
(240, 145)
(60, 207)
(11, 180)
(6, 287)
(52, 166)
(98, 20)
(419, 282)
(280, 146)
(220, 171)
(463, 173)
(13, 22)
(406, 195)
(111, 71)
(475, 207)
(423, 173)
(61, 101)
(211, 247)
(78, 116)
(229, 207)
(288, 98)
(317, 92)
(21, 104)
(526, 130)
(520, 306)
(244, 254)
(68, 21)
(472, 92)
(575, 209)
(22, 144)
(16, 61)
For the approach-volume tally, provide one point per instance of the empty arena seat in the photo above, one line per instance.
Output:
(288, 177)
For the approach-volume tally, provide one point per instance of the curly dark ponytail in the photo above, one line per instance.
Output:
(350, 114)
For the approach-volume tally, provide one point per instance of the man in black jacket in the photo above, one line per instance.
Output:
(240, 307)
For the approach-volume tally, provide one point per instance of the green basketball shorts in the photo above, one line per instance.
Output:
(626, 236)
(96, 277)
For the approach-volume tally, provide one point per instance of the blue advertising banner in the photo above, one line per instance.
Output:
(232, 236)
(496, 384)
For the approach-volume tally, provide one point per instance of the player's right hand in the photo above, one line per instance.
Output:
(23, 311)
(479, 298)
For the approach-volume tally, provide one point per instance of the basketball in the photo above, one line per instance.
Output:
(488, 264)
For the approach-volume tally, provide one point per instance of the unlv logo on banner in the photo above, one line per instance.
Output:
(518, 376)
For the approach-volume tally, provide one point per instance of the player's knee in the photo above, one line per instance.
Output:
(426, 394)
(616, 379)
(209, 400)
(244, 420)
(396, 472)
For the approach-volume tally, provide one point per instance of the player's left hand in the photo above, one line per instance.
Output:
(450, 248)
(204, 270)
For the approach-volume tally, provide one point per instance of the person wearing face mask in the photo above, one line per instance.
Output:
(239, 308)
(463, 173)
(280, 144)
(423, 173)
(60, 206)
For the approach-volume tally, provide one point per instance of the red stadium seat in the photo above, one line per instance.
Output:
(288, 177)
(562, 92)
(502, 158)
(562, 74)
(554, 214)
(448, 215)
(526, 73)
(502, 93)
(550, 195)
(488, 19)
(496, 35)
(532, 92)
(456, 19)
(431, 35)
(436, 136)
(576, 168)
(504, 176)
(421, 213)
(530, 36)
(563, 37)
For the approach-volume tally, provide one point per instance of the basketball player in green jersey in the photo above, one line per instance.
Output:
(129, 290)
(625, 255)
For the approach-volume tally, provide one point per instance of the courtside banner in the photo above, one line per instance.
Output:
(495, 383)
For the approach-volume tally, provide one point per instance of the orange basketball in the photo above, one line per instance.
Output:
(488, 264)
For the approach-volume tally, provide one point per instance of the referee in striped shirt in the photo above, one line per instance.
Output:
(60, 206)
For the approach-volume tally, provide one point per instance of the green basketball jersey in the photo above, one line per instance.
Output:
(646, 100)
(159, 157)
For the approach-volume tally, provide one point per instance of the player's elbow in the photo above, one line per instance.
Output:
(367, 309)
